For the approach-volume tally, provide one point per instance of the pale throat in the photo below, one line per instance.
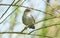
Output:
(29, 14)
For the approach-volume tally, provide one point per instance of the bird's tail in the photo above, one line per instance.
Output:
(32, 26)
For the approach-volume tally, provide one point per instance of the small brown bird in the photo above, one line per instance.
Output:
(28, 19)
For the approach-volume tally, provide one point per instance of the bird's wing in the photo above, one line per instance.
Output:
(33, 18)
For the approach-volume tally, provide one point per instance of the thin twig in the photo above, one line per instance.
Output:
(44, 27)
(28, 7)
(12, 12)
(16, 2)
(7, 9)
(47, 19)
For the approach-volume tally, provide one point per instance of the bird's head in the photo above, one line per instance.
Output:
(27, 10)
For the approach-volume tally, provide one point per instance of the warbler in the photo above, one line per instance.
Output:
(28, 19)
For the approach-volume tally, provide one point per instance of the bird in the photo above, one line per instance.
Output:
(28, 19)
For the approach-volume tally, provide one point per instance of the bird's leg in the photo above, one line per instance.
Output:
(24, 29)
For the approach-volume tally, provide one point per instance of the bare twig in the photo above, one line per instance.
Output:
(7, 9)
(12, 12)
(47, 19)
(44, 27)
(7, 5)
(28, 7)
(16, 2)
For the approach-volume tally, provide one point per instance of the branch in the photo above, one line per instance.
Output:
(23, 33)
(28, 7)
(47, 19)
(44, 27)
